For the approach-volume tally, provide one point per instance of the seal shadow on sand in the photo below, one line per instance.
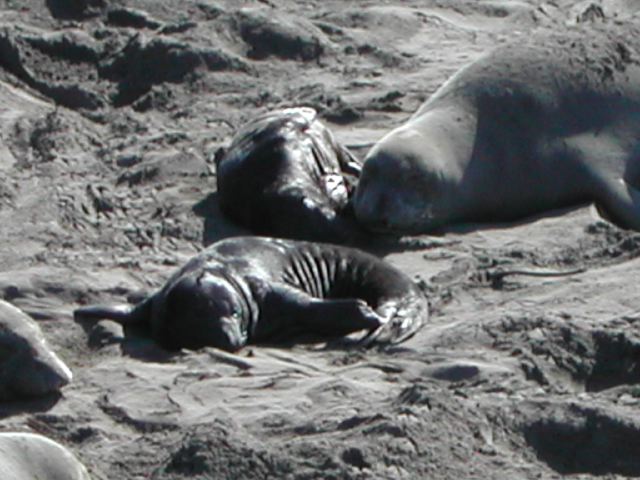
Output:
(33, 405)
(215, 225)
(135, 342)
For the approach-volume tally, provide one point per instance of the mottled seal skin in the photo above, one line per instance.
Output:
(28, 366)
(260, 290)
(285, 175)
(28, 456)
(548, 121)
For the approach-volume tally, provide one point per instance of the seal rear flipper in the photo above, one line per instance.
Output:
(403, 322)
(124, 314)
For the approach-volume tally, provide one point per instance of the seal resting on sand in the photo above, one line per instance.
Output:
(542, 123)
(285, 175)
(28, 456)
(28, 366)
(254, 290)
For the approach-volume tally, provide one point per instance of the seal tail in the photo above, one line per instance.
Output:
(124, 314)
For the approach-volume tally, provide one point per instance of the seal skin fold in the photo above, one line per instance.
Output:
(285, 175)
(264, 290)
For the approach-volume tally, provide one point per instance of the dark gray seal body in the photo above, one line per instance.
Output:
(255, 290)
(548, 121)
(285, 175)
(28, 366)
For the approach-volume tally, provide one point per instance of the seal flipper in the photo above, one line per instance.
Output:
(404, 321)
(619, 202)
(124, 314)
(289, 311)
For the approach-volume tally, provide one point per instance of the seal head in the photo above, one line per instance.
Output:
(202, 309)
(404, 185)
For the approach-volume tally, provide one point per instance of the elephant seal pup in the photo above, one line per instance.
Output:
(28, 456)
(255, 289)
(28, 366)
(285, 175)
(545, 122)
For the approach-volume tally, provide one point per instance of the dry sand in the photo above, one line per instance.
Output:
(111, 112)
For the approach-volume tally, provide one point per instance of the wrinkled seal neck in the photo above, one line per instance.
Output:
(248, 305)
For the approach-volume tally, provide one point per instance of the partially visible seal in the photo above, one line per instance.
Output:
(546, 122)
(28, 366)
(255, 290)
(28, 456)
(285, 175)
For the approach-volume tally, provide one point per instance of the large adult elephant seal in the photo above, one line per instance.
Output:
(28, 456)
(285, 175)
(542, 123)
(256, 290)
(28, 366)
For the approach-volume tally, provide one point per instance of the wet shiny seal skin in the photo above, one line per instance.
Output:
(547, 121)
(29, 456)
(28, 366)
(285, 175)
(263, 290)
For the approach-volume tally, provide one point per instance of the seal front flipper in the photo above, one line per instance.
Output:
(619, 202)
(287, 311)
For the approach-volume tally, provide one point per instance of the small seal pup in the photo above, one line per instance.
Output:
(545, 122)
(256, 289)
(28, 366)
(29, 456)
(285, 175)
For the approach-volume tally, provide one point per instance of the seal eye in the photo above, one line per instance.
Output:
(236, 313)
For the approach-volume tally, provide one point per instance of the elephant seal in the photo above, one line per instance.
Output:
(285, 175)
(256, 289)
(28, 366)
(29, 456)
(548, 121)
